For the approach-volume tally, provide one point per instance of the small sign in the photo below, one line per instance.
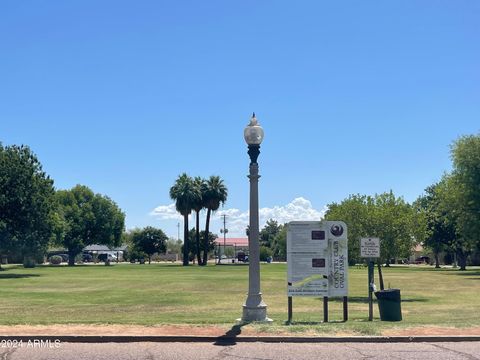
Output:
(370, 247)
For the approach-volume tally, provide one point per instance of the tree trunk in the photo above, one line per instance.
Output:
(197, 238)
(205, 239)
(437, 261)
(29, 261)
(71, 257)
(387, 263)
(149, 259)
(185, 240)
(380, 275)
(462, 260)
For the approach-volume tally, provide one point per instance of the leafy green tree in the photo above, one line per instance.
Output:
(215, 193)
(131, 253)
(398, 224)
(265, 252)
(280, 244)
(464, 194)
(27, 210)
(174, 246)
(192, 246)
(88, 219)
(229, 252)
(185, 194)
(440, 225)
(357, 211)
(268, 233)
(149, 240)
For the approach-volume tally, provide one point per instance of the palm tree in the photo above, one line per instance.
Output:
(197, 205)
(185, 195)
(214, 193)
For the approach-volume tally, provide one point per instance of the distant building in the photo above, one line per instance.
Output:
(103, 249)
(237, 244)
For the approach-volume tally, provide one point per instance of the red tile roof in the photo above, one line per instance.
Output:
(232, 241)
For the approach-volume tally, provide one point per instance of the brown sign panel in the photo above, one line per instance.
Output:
(318, 263)
(318, 235)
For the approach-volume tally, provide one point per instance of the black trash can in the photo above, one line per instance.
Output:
(389, 304)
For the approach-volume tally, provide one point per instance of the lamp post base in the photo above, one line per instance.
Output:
(256, 312)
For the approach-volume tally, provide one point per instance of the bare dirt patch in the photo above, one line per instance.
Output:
(433, 331)
(122, 330)
(213, 331)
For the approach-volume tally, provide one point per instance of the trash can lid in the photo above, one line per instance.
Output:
(389, 294)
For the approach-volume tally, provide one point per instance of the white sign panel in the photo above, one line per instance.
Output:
(370, 247)
(317, 257)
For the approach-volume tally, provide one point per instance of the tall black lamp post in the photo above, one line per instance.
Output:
(254, 308)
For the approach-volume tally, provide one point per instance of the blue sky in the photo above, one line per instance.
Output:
(354, 97)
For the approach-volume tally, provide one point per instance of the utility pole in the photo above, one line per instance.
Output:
(178, 231)
(224, 231)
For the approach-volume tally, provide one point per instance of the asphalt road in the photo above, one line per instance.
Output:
(256, 351)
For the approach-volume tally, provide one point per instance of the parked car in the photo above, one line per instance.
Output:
(64, 257)
(241, 256)
(422, 260)
(86, 257)
(103, 257)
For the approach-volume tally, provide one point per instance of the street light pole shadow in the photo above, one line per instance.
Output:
(229, 338)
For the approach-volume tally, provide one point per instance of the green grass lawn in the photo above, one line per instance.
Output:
(172, 294)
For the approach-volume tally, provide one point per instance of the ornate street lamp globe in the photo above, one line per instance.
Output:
(253, 133)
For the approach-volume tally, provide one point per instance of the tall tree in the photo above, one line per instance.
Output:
(174, 246)
(465, 194)
(149, 240)
(88, 219)
(440, 225)
(268, 233)
(279, 244)
(215, 193)
(185, 194)
(399, 225)
(198, 204)
(27, 212)
(357, 211)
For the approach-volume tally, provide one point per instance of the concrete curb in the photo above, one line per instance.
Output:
(224, 340)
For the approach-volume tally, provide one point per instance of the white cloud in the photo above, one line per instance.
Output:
(166, 212)
(300, 209)
(237, 220)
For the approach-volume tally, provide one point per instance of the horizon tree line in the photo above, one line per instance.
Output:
(33, 214)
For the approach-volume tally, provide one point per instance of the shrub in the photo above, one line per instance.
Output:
(29, 262)
(265, 252)
(55, 260)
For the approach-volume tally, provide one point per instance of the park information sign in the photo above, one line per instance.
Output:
(370, 247)
(317, 258)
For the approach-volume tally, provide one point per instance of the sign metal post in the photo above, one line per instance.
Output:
(325, 309)
(370, 289)
(370, 249)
